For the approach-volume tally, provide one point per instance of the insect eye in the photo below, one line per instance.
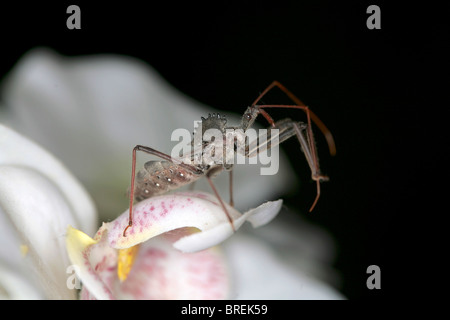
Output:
(248, 116)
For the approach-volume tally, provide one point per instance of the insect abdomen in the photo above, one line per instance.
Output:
(158, 177)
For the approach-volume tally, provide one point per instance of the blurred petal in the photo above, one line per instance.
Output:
(38, 199)
(203, 211)
(14, 286)
(300, 244)
(17, 150)
(270, 278)
(39, 215)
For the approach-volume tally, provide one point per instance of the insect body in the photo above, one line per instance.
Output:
(158, 177)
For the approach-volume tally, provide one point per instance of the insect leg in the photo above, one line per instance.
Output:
(308, 146)
(299, 105)
(221, 202)
(231, 187)
(133, 174)
(287, 129)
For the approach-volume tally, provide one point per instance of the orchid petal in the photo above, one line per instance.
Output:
(38, 213)
(271, 278)
(14, 286)
(94, 262)
(257, 217)
(160, 225)
(161, 272)
(38, 198)
(203, 211)
(19, 151)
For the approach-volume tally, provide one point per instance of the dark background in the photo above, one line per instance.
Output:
(367, 86)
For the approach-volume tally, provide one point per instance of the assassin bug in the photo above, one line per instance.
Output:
(158, 177)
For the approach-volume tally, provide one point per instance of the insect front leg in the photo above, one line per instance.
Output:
(190, 168)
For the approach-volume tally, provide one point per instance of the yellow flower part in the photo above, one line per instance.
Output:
(24, 250)
(77, 240)
(125, 261)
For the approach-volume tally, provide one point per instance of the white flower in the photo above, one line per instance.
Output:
(169, 253)
(90, 112)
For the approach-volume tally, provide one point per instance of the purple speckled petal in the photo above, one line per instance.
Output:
(200, 210)
(160, 214)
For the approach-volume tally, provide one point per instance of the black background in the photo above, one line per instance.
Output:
(367, 86)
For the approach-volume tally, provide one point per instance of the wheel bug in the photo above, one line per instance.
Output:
(159, 177)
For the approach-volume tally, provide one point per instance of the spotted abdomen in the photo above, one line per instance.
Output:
(158, 177)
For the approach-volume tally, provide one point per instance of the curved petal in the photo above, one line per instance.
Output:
(38, 199)
(200, 210)
(95, 262)
(17, 150)
(38, 214)
(214, 235)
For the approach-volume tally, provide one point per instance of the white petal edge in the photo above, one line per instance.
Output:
(258, 217)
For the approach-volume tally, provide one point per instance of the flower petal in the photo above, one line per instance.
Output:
(13, 285)
(257, 217)
(38, 198)
(271, 277)
(94, 260)
(19, 151)
(161, 272)
(161, 214)
(38, 215)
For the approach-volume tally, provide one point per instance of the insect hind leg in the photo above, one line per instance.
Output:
(298, 105)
